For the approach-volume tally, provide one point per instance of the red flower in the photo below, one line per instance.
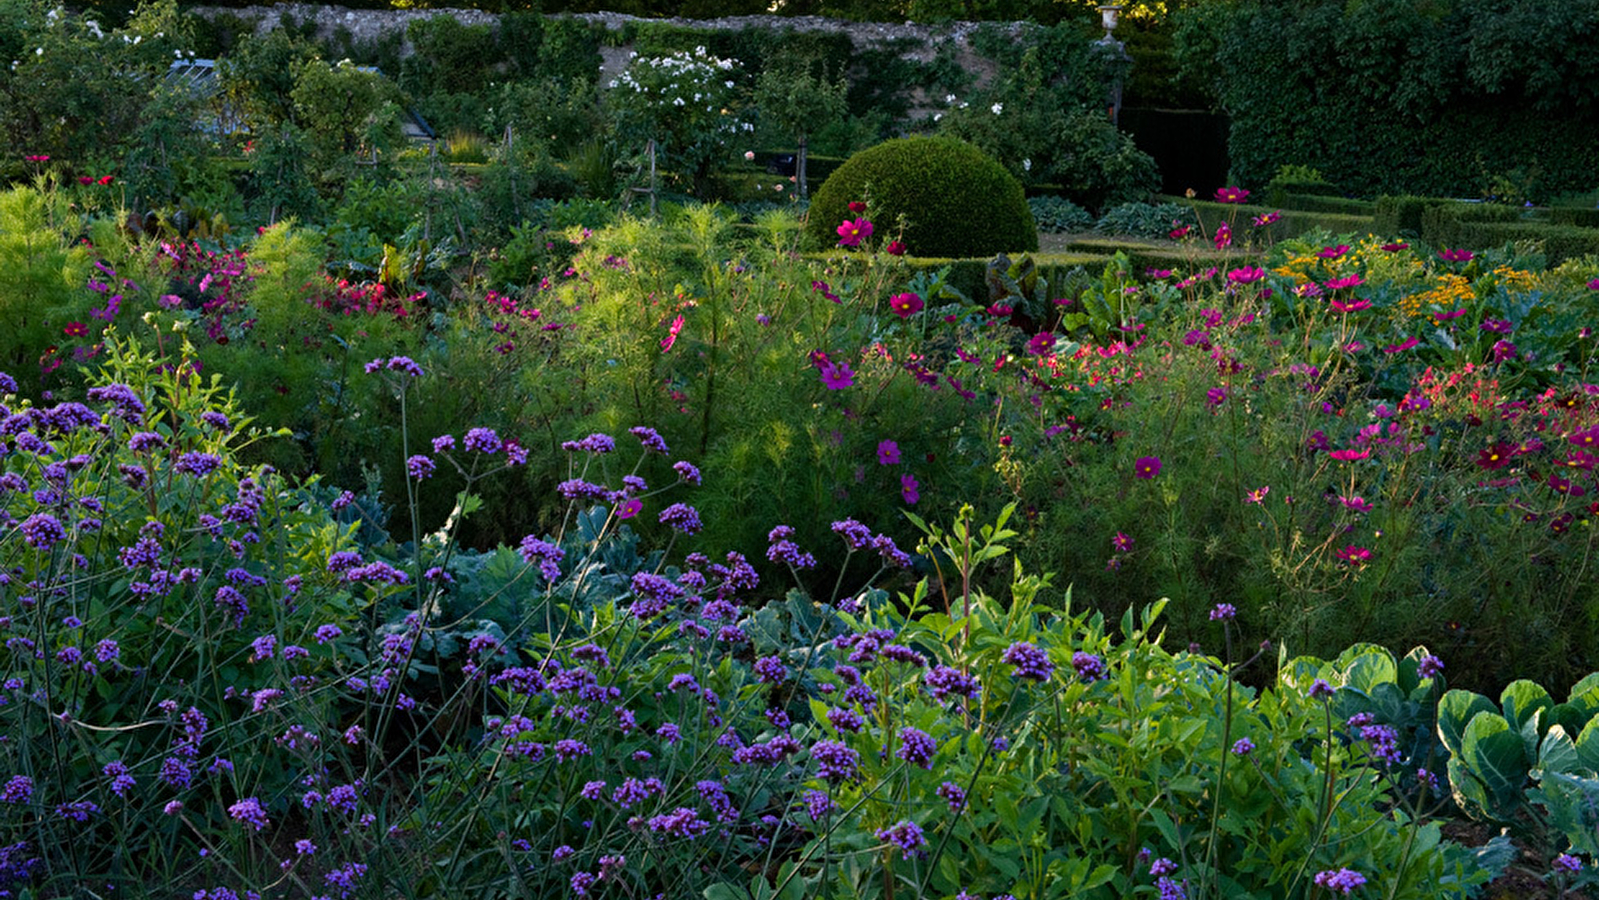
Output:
(894, 248)
(856, 206)
(1350, 455)
(1395, 247)
(75, 329)
(1456, 255)
(1496, 457)
(103, 179)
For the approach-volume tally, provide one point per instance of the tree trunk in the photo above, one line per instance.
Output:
(799, 167)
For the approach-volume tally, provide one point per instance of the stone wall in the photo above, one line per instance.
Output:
(369, 24)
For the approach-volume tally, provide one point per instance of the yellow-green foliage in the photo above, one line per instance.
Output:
(42, 276)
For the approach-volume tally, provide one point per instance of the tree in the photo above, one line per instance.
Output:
(796, 95)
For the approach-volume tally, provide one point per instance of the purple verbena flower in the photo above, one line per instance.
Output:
(1029, 662)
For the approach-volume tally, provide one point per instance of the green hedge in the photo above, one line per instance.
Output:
(1291, 224)
(1559, 242)
(1406, 214)
(1452, 98)
(1584, 218)
(1323, 203)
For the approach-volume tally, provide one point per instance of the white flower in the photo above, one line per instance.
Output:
(728, 83)
(937, 116)
(964, 105)
(749, 154)
(1027, 165)
(677, 101)
(997, 108)
(949, 98)
(613, 82)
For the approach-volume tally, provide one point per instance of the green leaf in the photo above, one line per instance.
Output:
(1520, 698)
(1558, 753)
(1468, 791)
(1369, 668)
(1588, 746)
(1494, 754)
(1589, 684)
(1455, 710)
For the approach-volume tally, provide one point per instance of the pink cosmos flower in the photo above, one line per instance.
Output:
(1258, 495)
(1593, 285)
(836, 376)
(908, 489)
(1121, 542)
(1180, 232)
(1146, 467)
(1395, 247)
(1223, 237)
(1354, 556)
(75, 329)
(1350, 455)
(1231, 195)
(1351, 306)
(1246, 275)
(1348, 281)
(1267, 219)
(895, 248)
(1456, 255)
(671, 334)
(887, 453)
(851, 233)
(1041, 344)
(905, 305)
(1333, 252)
(630, 508)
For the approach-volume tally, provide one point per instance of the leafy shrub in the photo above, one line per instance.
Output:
(1146, 220)
(685, 103)
(954, 200)
(1057, 215)
(1045, 123)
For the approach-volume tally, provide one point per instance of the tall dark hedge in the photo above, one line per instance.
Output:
(1438, 97)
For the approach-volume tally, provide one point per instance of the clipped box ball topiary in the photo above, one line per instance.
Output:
(957, 201)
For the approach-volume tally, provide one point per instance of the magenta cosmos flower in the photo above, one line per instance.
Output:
(905, 305)
(1456, 255)
(1147, 466)
(852, 232)
(1231, 195)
